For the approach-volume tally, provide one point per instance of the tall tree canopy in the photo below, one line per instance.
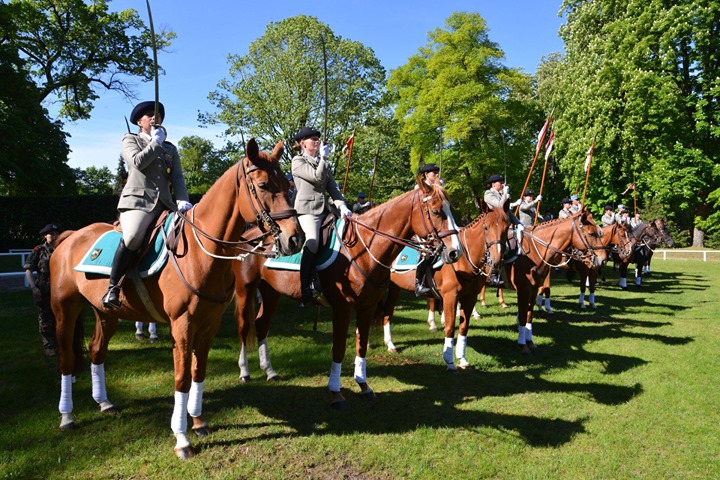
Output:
(459, 106)
(641, 78)
(279, 86)
(202, 164)
(73, 48)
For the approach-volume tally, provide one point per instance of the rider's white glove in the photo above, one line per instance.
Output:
(345, 211)
(158, 134)
(516, 203)
(539, 198)
(506, 190)
(324, 150)
(520, 227)
(183, 206)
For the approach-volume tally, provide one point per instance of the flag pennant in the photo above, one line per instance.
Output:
(541, 135)
(349, 143)
(588, 159)
(549, 144)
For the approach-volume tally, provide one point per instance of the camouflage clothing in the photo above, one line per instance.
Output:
(38, 262)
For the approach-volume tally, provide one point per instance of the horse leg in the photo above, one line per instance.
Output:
(393, 294)
(501, 298)
(182, 334)
(431, 315)
(341, 322)
(592, 277)
(583, 287)
(546, 292)
(268, 307)
(67, 311)
(201, 347)
(639, 272)
(362, 335)
(482, 296)
(449, 310)
(524, 298)
(622, 283)
(528, 326)
(245, 311)
(466, 303)
(104, 330)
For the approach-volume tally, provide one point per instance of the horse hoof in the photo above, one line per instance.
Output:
(275, 378)
(339, 405)
(464, 364)
(532, 346)
(139, 336)
(583, 307)
(154, 339)
(504, 305)
(367, 396)
(201, 432)
(245, 379)
(524, 349)
(433, 328)
(112, 411)
(452, 368)
(392, 350)
(69, 427)
(592, 305)
(184, 453)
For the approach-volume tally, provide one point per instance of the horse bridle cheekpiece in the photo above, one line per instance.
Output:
(435, 237)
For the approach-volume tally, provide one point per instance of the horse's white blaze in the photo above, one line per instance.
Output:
(360, 370)
(195, 398)
(455, 239)
(334, 379)
(178, 423)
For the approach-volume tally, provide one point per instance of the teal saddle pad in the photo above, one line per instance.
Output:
(326, 256)
(99, 257)
(407, 260)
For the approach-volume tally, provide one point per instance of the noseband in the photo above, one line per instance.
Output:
(263, 217)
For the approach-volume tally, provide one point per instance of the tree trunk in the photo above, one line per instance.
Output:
(698, 238)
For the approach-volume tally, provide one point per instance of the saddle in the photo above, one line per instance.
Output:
(332, 231)
(511, 251)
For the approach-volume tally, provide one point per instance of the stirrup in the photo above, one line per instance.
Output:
(422, 290)
(112, 297)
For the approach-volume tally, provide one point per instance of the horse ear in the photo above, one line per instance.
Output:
(252, 151)
(277, 151)
(421, 183)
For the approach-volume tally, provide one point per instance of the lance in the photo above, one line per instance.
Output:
(548, 149)
(349, 144)
(541, 138)
(588, 163)
(372, 181)
(155, 67)
(634, 197)
(127, 124)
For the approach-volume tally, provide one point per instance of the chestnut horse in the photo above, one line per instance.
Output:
(191, 295)
(544, 245)
(483, 241)
(619, 240)
(356, 280)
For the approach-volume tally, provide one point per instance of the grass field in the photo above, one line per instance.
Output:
(629, 390)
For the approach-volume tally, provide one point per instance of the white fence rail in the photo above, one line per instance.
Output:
(22, 255)
(703, 255)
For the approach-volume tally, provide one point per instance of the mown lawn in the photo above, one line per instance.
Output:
(626, 391)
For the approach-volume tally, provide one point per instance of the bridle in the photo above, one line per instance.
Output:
(574, 253)
(487, 258)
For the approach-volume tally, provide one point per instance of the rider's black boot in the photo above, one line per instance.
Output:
(121, 264)
(420, 288)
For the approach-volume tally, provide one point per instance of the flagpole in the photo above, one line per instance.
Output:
(541, 137)
(349, 144)
(372, 182)
(548, 149)
(588, 163)
(634, 197)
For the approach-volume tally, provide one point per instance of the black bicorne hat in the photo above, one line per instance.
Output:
(50, 227)
(496, 178)
(429, 167)
(306, 132)
(144, 107)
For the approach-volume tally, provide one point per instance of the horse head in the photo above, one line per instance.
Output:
(267, 191)
(664, 232)
(621, 236)
(436, 222)
(587, 238)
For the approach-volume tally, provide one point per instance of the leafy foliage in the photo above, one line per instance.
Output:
(202, 164)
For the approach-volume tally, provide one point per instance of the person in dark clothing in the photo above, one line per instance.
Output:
(37, 273)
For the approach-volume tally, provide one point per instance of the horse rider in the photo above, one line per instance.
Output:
(37, 273)
(565, 211)
(528, 207)
(620, 208)
(576, 206)
(155, 183)
(362, 205)
(636, 221)
(495, 196)
(608, 217)
(431, 175)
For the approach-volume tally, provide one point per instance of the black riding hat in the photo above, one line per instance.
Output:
(145, 107)
(306, 132)
(430, 167)
(565, 200)
(496, 178)
(50, 227)
(528, 193)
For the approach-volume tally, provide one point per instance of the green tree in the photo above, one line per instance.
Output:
(121, 175)
(33, 148)
(202, 164)
(279, 86)
(73, 48)
(95, 181)
(458, 106)
(640, 77)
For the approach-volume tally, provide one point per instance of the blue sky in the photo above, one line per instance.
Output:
(208, 31)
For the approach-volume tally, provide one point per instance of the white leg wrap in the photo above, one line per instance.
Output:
(461, 347)
(138, 328)
(582, 299)
(547, 305)
(592, 300)
(152, 329)
(387, 337)
(638, 280)
(243, 362)
(442, 319)
(623, 282)
(195, 398)
(181, 441)
(448, 350)
(475, 313)
(539, 300)
(264, 354)
(97, 373)
(178, 423)
(66, 401)
(334, 380)
(521, 334)
(528, 332)
(360, 370)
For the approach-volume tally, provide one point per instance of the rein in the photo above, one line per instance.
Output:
(569, 255)
(479, 270)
